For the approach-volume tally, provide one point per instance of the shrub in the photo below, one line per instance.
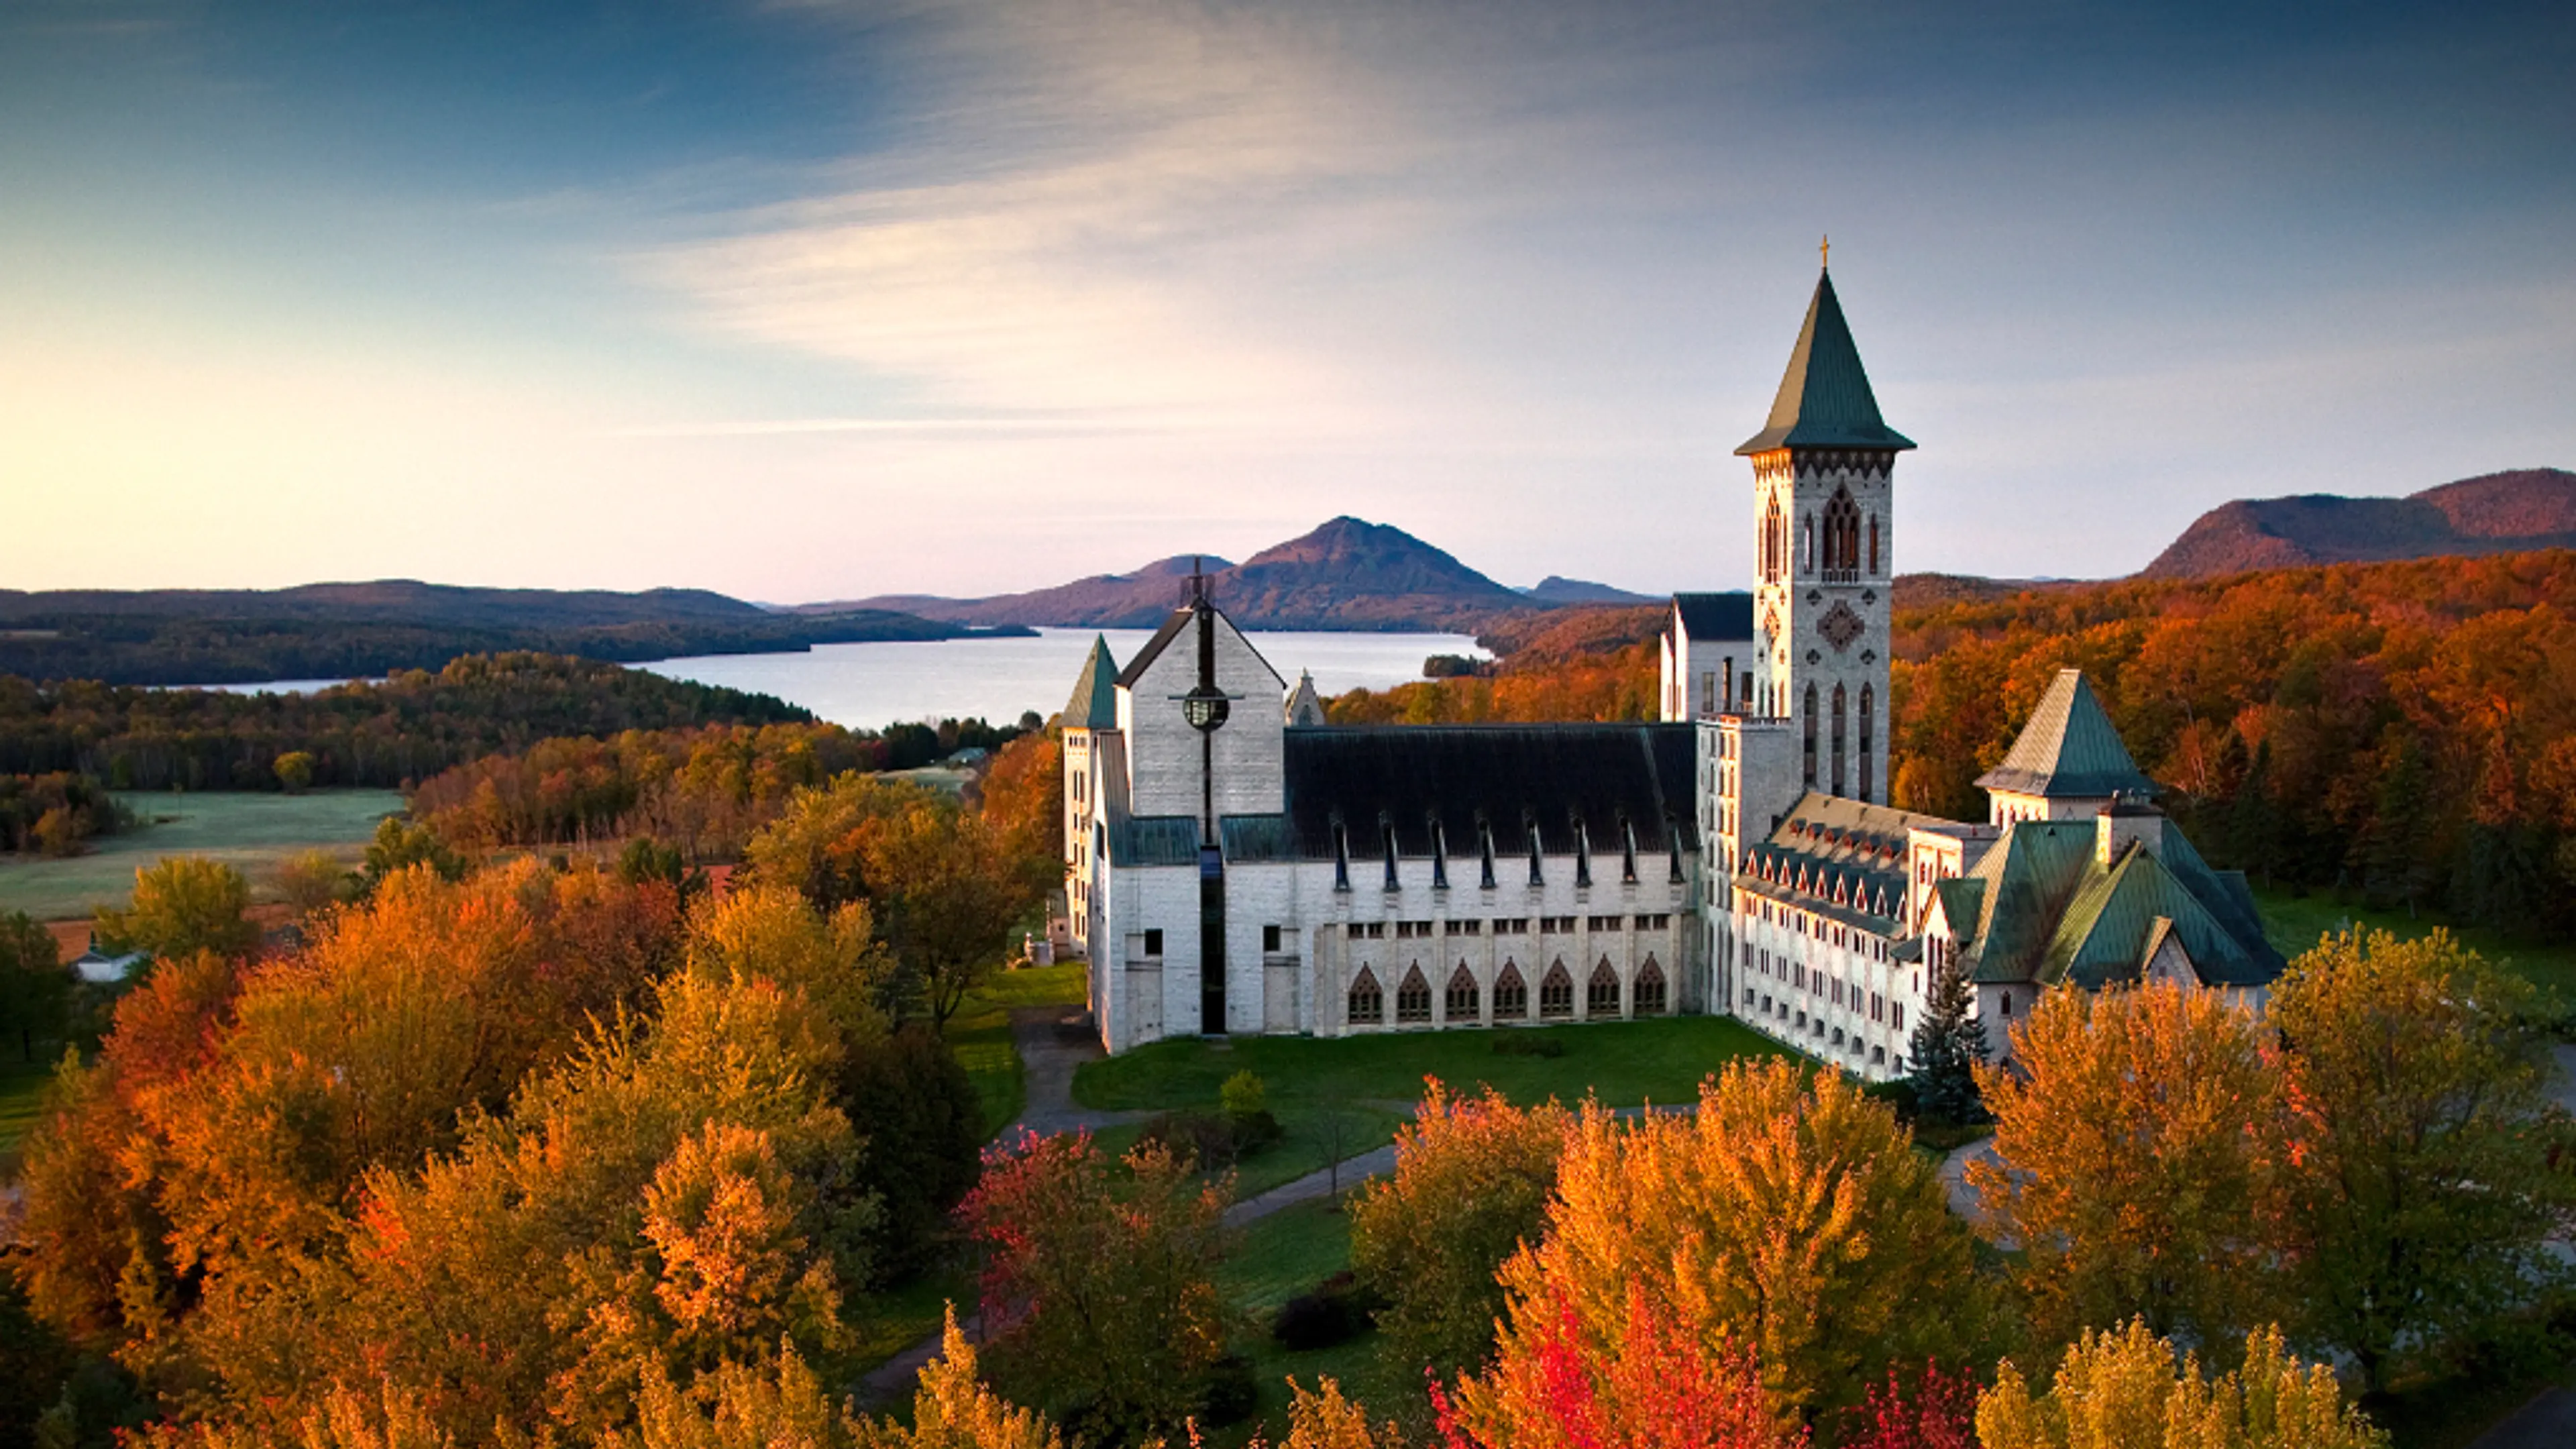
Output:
(1243, 1095)
(1231, 1394)
(1334, 1311)
(1527, 1044)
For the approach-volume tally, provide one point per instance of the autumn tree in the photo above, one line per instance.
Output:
(398, 847)
(1656, 1382)
(2131, 1161)
(1022, 795)
(2129, 1388)
(1099, 1298)
(185, 903)
(2431, 1169)
(1471, 1185)
(311, 881)
(1948, 1048)
(294, 771)
(924, 1123)
(35, 989)
(1935, 1408)
(1792, 1220)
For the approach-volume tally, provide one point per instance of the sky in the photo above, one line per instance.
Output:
(817, 299)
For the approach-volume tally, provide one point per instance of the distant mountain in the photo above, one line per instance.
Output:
(2529, 508)
(1557, 589)
(1348, 574)
(335, 631)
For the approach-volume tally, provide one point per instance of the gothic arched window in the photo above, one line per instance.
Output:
(1461, 1005)
(1873, 545)
(1650, 989)
(1601, 993)
(1511, 994)
(1868, 738)
(1838, 738)
(1842, 537)
(1775, 541)
(1413, 997)
(1367, 1003)
(1811, 737)
(1556, 992)
(1807, 542)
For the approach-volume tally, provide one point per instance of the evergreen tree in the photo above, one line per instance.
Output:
(1949, 1045)
(2395, 850)
(2254, 827)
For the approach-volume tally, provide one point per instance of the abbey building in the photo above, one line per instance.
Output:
(1234, 864)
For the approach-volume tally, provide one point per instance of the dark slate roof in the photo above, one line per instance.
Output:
(1715, 616)
(1094, 705)
(2069, 749)
(1825, 399)
(1843, 859)
(1512, 779)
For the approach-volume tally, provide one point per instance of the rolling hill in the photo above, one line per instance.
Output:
(2529, 508)
(1347, 574)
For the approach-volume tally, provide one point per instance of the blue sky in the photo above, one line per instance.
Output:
(814, 300)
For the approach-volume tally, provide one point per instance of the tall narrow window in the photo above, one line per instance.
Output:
(1810, 737)
(1842, 538)
(1556, 993)
(1868, 741)
(1873, 545)
(1838, 739)
(1367, 1002)
(1601, 993)
(1775, 541)
(1461, 1003)
(1413, 998)
(1807, 543)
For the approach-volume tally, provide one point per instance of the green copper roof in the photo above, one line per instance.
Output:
(1825, 400)
(2069, 749)
(2030, 876)
(1094, 705)
(2102, 940)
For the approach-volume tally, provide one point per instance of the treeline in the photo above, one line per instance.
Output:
(701, 791)
(2404, 731)
(55, 813)
(386, 734)
(1576, 664)
(144, 648)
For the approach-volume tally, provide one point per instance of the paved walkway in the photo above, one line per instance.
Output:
(2547, 1422)
(1048, 1056)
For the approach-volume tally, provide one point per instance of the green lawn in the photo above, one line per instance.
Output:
(2296, 922)
(22, 1092)
(980, 1034)
(1624, 1063)
(1276, 1259)
(251, 831)
(1311, 1144)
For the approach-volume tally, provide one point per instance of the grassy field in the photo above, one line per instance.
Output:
(22, 1091)
(1278, 1258)
(2296, 922)
(251, 831)
(1624, 1063)
(980, 1034)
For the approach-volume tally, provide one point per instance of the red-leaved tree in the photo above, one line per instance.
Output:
(1655, 1387)
(1938, 1410)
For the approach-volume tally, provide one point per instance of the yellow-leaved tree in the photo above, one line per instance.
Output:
(2128, 1389)
(2134, 1140)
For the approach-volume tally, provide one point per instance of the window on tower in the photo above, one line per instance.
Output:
(1842, 539)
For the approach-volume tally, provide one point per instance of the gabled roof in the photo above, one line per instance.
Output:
(1305, 707)
(2104, 936)
(2069, 749)
(1825, 399)
(1708, 617)
(2029, 876)
(1179, 621)
(1094, 705)
(1396, 781)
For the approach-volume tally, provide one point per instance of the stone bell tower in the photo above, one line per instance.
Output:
(1825, 558)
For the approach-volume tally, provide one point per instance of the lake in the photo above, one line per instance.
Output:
(869, 686)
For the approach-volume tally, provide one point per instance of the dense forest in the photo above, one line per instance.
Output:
(701, 791)
(351, 631)
(386, 734)
(2405, 731)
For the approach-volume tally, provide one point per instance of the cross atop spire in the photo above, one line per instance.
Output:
(1825, 252)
